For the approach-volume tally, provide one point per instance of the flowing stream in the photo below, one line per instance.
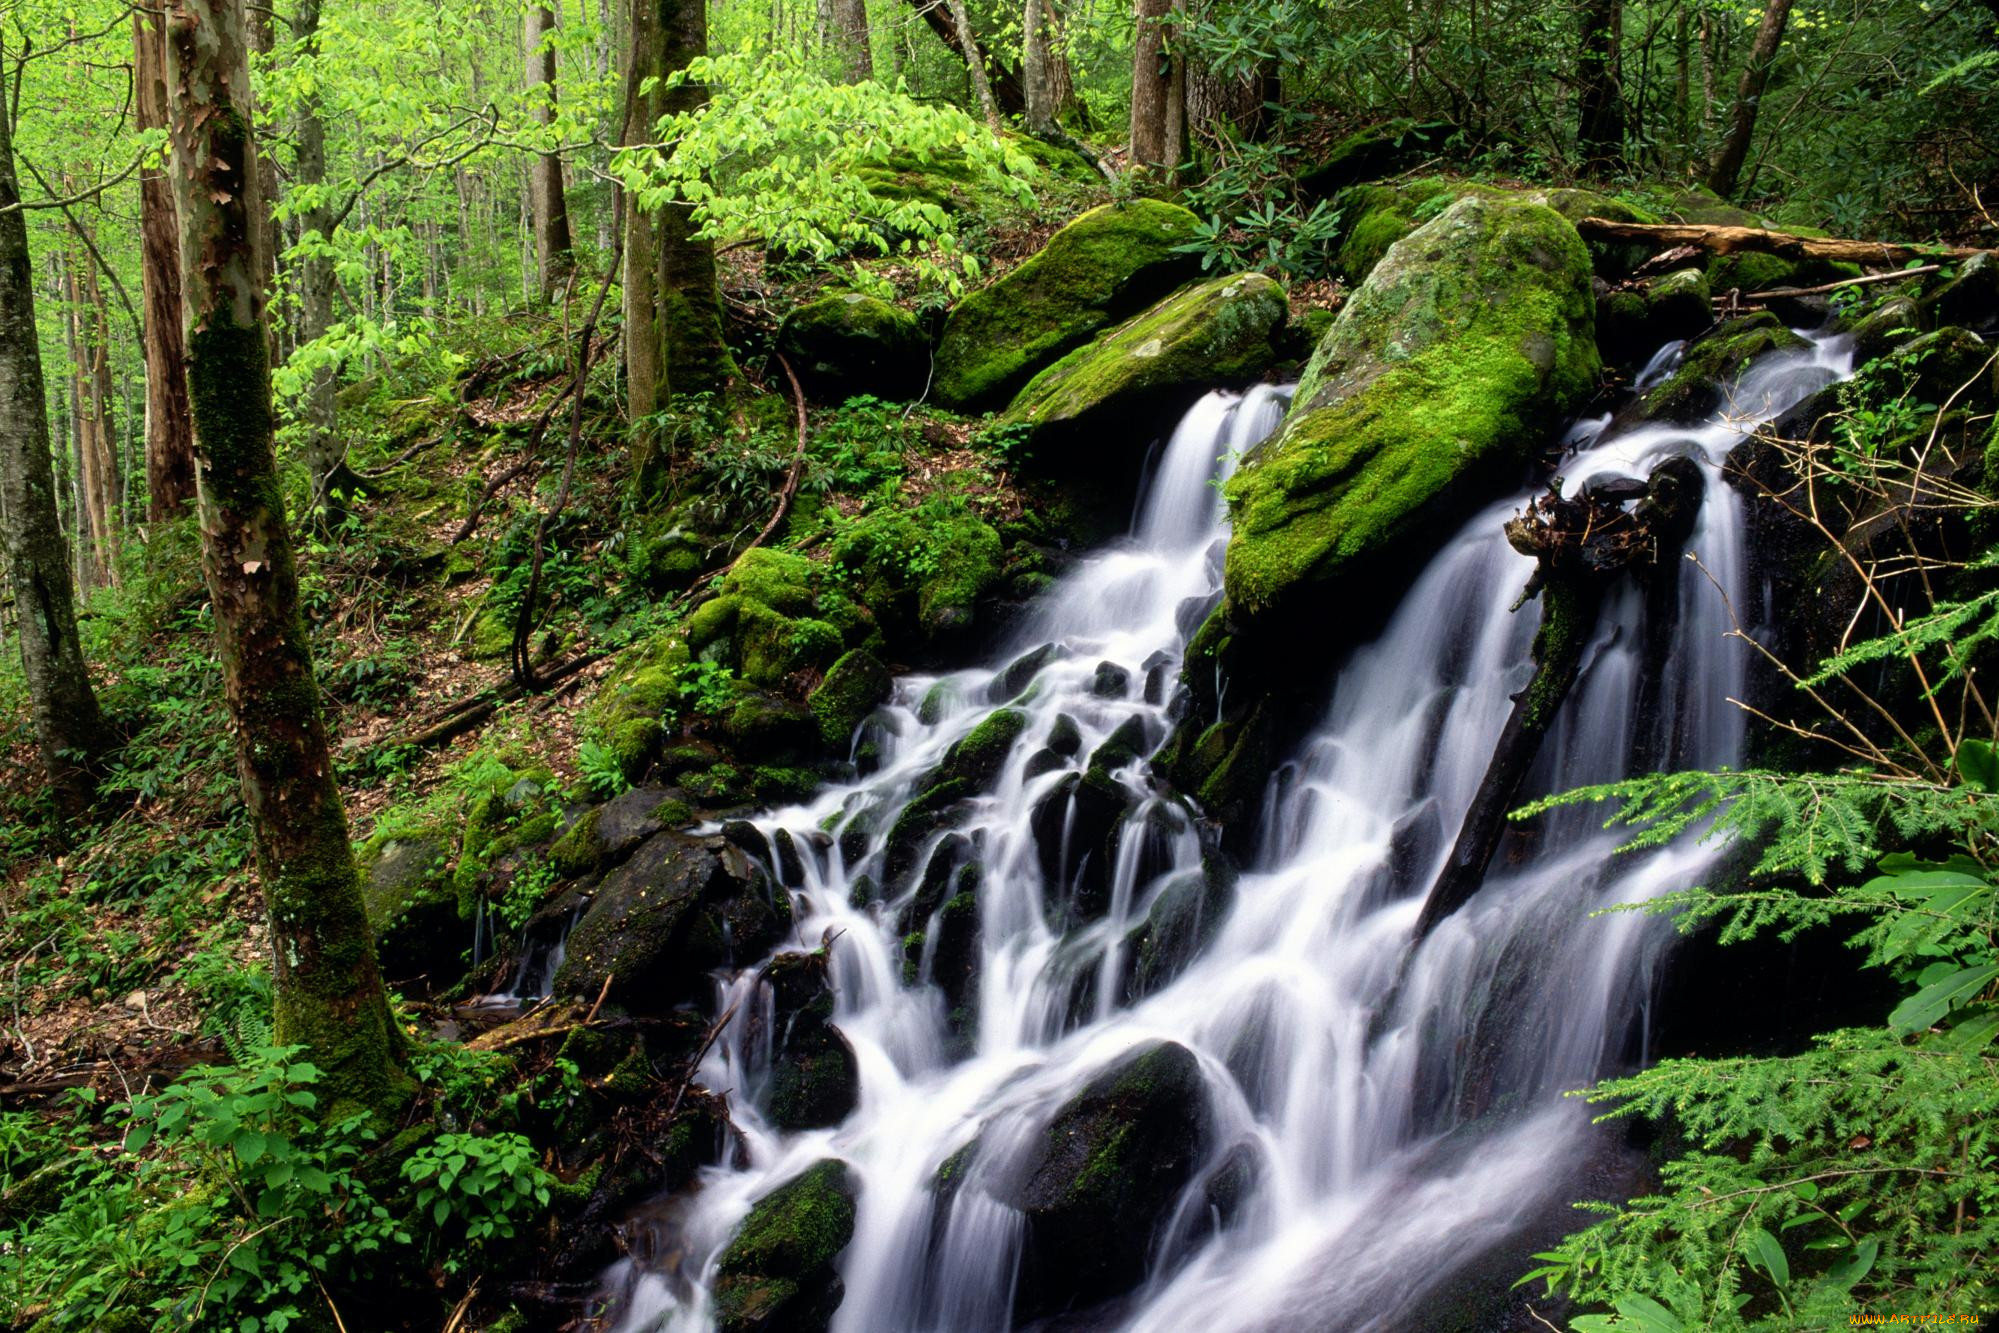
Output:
(1398, 1105)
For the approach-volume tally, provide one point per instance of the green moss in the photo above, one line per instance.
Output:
(847, 344)
(634, 743)
(1219, 332)
(922, 570)
(780, 580)
(979, 755)
(1711, 365)
(854, 685)
(1105, 265)
(1441, 372)
(797, 1229)
(1380, 215)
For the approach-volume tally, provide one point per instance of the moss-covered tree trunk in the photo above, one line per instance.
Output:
(1726, 171)
(690, 299)
(69, 731)
(169, 430)
(643, 371)
(850, 40)
(1600, 114)
(554, 254)
(328, 986)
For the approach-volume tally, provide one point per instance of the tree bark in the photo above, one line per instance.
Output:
(1151, 84)
(554, 252)
(1725, 172)
(69, 731)
(1037, 73)
(644, 374)
(1004, 80)
(689, 299)
(849, 33)
(329, 994)
(169, 431)
(1600, 124)
(975, 65)
(322, 448)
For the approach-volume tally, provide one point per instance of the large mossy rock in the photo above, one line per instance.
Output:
(848, 344)
(1370, 154)
(1108, 264)
(1635, 321)
(1104, 1177)
(777, 1275)
(1464, 349)
(1375, 216)
(854, 686)
(922, 574)
(413, 906)
(815, 1078)
(1222, 332)
(656, 927)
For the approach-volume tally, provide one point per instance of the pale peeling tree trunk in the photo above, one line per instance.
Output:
(1037, 69)
(849, 32)
(169, 431)
(555, 255)
(1726, 171)
(1151, 84)
(90, 383)
(329, 994)
(975, 66)
(69, 731)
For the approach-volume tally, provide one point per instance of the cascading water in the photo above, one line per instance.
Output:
(1387, 1108)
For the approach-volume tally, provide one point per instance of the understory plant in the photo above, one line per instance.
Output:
(1856, 1180)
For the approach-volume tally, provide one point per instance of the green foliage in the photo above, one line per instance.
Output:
(1251, 217)
(780, 152)
(601, 769)
(481, 1187)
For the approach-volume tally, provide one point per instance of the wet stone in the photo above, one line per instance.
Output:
(1111, 681)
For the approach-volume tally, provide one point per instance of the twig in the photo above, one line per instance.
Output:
(714, 1031)
(1862, 281)
(791, 479)
(591, 1017)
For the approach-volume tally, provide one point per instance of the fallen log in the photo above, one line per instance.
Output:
(1724, 240)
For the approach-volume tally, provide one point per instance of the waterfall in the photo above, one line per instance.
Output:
(1389, 1109)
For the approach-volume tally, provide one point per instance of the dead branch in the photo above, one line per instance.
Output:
(790, 489)
(1724, 240)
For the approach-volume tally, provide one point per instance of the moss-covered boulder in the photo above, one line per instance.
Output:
(921, 572)
(1104, 1177)
(413, 905)
(1374, 217)
(848, 344)
(1463, 350)
(854, 686)
(1634, 321)
(606, 834)
(1222, 332)
(681, 907)
(1369, 154)
(815, 1079)
(979, 755)
(1969, 298)
(1108, 264)
(1710, 367)
(777, 1275)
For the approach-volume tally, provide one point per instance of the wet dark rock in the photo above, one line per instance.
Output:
(1044, 760)
(1072, 827)
(979, 755)
(1065, 737)
(747, 836)
(815, 1079)
(607, 834)
(952, 852)
(938, 808)
(1710, 368)
(1104, 1177)
(1009, 684)
(1111, 681)
(656, 926)
(790, 866)
(777, 1275)
(1126, 745)
(1156, 666)
(414, 907)
(1184, 917)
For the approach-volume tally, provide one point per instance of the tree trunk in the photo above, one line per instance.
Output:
(1003, 80)
(1600, 123)
(848, 29)
(169, 431)
(1151, 84)
(975, 65)
(643, 371)
(263, 40)
(329, 995)
(319, 413)
(103, 411)
(689, 303)
(1724, 240)
(69, 731)
(1036, 70)
(554, 254)
(1726, 171)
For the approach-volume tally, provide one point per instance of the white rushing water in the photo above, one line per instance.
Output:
(1398, 1105)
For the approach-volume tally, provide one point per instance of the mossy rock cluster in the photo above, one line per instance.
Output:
(1635, 321)
(778, 1274)
(1375, 216)
(1222, 332)
(1105, 266)
(815, 1079)
(847, 344)
(413, 904)
(922, 572)
(1711, 366)
(1465, 348)
(1369, 154)
(1104, 1177)
(854, 687)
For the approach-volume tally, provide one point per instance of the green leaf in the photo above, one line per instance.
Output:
(1928, 1005)
(249, 1146)
(1647, 1314)
(1767, 1254)
(1974, 1033)
(1978, 765)
(1845, 1274)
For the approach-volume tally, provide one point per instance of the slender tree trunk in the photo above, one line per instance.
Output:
(940, 16)
(1151, 84)
(697, 356)
(104, 429)
(321, 447)
(329, 994)
(1726, 171)
(975, 66)
(69, 731)
(644, 373)
(1037, 75)
(263, 40)
(554, 253)
(849, 31)
(169, 431)
(1600, 123)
